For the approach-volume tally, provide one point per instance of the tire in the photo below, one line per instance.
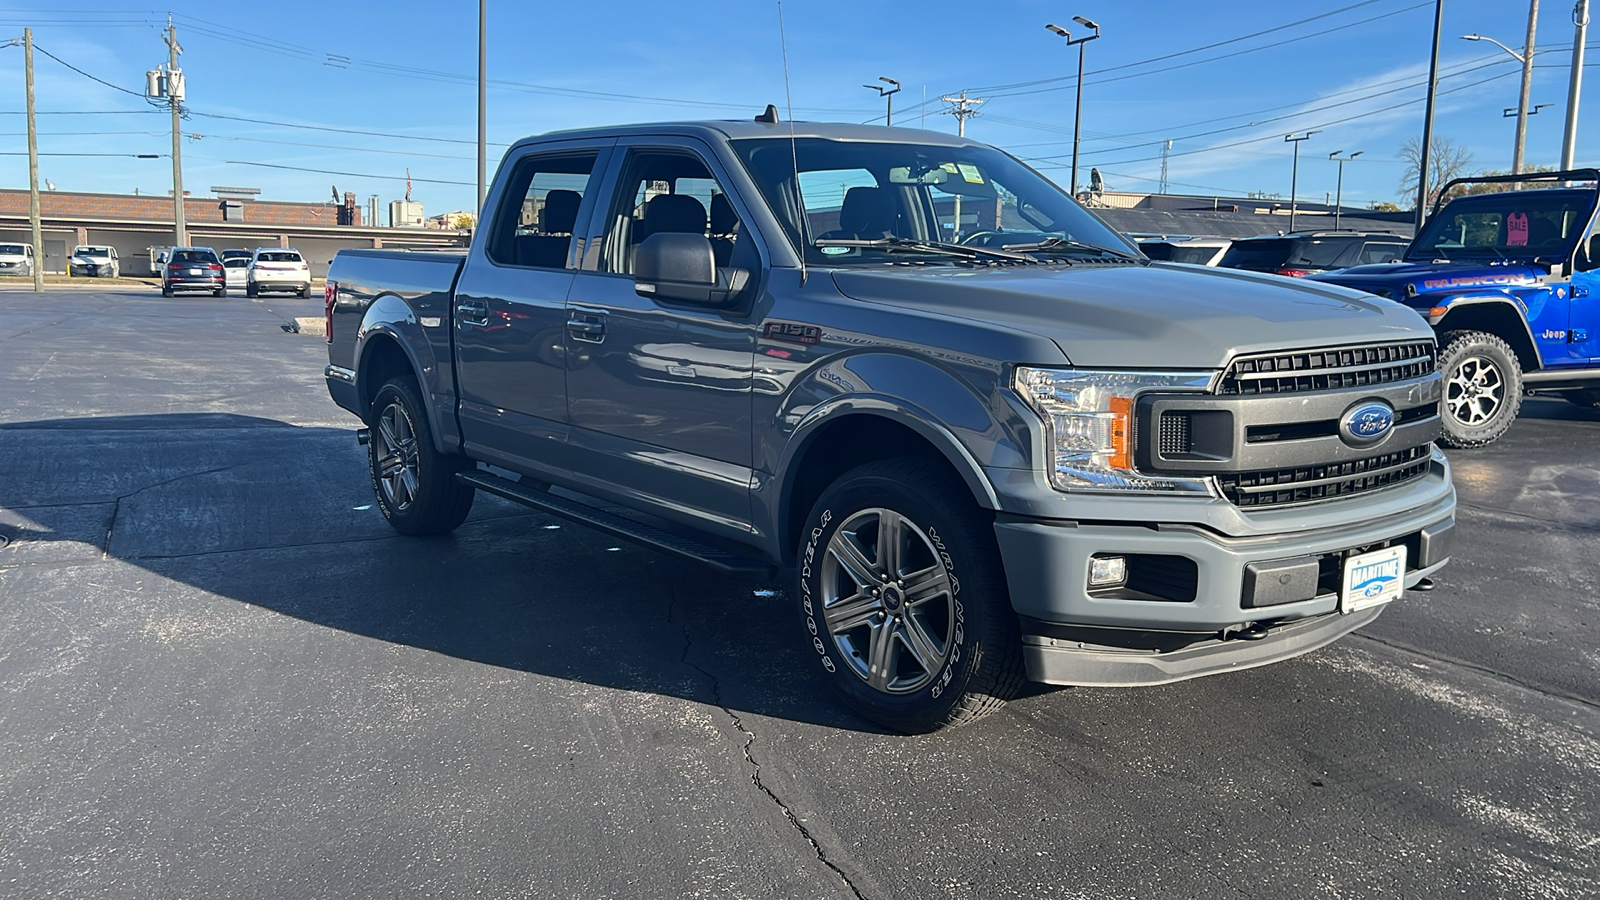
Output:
(415, 484)
(1482, 388)
(1586, 398)
(912, 665)
(251, 290)
(305, 292)
(220, 292)
(166, 291)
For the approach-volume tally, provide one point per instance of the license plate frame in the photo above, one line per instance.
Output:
(1372, 579)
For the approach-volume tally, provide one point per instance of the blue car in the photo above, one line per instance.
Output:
(1507, 279)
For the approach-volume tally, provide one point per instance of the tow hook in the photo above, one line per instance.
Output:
(1253, 631)
(363, 436)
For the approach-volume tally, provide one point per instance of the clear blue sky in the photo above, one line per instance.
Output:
(408, 68)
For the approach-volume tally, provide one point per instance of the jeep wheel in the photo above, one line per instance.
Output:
(416, 484)
(904, 598)
(1482, 387)
(1589, 399)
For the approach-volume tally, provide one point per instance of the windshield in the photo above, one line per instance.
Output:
(278, 256)
(94, 252)
(871, 191)
(236, 262)
(13, 249)
(1514, 225)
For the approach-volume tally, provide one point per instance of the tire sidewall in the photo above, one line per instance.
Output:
(435, 477)
(1458, 347)
(929, 705)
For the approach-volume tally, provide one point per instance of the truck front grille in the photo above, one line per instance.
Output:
(1280, 487)
(1328, 369)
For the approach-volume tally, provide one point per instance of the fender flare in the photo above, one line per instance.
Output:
(1451, 304)
(389, 318)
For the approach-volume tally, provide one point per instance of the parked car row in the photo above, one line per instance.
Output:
(257, 271)
(1294, 255)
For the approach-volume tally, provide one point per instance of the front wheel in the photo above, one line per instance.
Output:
(1482, 388)
(416, 485)
(904, 598)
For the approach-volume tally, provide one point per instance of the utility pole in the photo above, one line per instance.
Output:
(1294, 177)
(1427, 118)
(963, 110)
(1569, 140)
(33, 168)
(888, 95)
(180, 228)
(483, 103)
(1338, 204)
(1527, 85)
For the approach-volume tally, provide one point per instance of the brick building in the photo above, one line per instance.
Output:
(137, 224)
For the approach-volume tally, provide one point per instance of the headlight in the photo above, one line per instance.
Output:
(1089, 427)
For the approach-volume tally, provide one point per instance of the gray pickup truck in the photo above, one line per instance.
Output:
(989, 438)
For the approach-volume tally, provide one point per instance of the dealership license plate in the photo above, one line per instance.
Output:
(1373, 578)
(197, 271)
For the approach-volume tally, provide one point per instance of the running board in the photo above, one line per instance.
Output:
(1552, 379)
(728, 562)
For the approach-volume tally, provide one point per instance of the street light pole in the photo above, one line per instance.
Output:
(1526, 58)
(1294, 177)
(1338, 203)
(888, 95)
(1077, 115)
(1569, 139)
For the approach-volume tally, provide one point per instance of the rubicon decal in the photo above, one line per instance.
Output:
(1466, 281)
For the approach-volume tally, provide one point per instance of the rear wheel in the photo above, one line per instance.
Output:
(1482, 387)
(166, 291)
(416, 485)
(251, 290)
(305, 292)
(904, 598)
(220, 292)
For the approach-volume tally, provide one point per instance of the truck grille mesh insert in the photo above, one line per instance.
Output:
(1328, 369)
(1175, 434)
(1279, 487)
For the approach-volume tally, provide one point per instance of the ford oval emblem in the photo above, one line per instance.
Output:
(1368, 423)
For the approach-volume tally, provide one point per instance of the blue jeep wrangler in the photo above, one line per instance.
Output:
(1507, 280)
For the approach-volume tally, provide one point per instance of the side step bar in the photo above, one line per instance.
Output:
(728, 562)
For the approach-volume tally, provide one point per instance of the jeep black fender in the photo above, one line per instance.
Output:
(1498, 315)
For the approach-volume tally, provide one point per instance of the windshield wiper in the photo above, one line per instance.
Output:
(961, 250)
(1060, 243)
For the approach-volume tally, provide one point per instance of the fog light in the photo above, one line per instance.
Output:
(1107, 571)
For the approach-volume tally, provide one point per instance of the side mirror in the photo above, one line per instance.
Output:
(682, 267)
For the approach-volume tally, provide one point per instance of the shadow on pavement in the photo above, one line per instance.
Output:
(283, 518)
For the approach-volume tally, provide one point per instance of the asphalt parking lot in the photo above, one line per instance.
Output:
(222, 675)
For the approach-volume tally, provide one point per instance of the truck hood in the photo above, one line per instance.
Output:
(1420, 283)
(1162, 316)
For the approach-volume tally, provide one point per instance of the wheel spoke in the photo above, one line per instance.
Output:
(890, 535)
(923, 649)
(926, 585)
(846, 548)
(852, 612)
(386, 431)
(880, 650)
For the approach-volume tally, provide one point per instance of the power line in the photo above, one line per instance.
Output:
(240, 162)
(86, 74)
(330, 128)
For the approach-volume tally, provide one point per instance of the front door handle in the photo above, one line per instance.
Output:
(587, 327)
(472, 312)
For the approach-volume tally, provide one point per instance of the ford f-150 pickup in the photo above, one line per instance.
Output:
(989, 440)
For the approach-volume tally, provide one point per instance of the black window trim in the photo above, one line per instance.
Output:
(515, 160)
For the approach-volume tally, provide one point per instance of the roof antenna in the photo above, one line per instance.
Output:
(794, 153)
(769, 116)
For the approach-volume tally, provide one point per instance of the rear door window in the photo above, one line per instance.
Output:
(536, 231)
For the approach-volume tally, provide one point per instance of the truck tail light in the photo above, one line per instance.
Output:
(1294, 273)
(328, 294)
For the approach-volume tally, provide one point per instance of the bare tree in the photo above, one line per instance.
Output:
(1446, 160)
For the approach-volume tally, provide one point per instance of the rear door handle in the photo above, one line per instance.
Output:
(472, 312)
(589, 327)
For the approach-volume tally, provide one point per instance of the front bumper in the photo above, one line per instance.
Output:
(92, 271)
(1210, 602)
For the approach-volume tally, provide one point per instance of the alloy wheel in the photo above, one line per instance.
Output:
(395, 448)
(1475, 391)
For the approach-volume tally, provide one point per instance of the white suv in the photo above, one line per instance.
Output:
(278, 269)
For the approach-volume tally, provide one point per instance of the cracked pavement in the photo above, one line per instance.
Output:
(221, 674)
